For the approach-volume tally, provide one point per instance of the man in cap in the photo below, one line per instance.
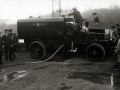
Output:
(7, 45)
(117, 63)
(77, 15)
(96, 19)
(115, 41)
(114, 33)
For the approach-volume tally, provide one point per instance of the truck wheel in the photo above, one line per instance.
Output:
(95, 52)
(37, 50)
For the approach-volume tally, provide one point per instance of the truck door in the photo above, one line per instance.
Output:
(70, 34)
(82, 36)
(74, 33)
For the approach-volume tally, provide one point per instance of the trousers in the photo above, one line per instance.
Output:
(8, 51)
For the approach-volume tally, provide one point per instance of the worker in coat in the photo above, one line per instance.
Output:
(77, 15)
(96, 18)
(6, 38)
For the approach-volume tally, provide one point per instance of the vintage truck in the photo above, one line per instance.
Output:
(42, 35)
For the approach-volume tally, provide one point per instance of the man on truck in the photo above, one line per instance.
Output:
(77, 17)
(96, 18)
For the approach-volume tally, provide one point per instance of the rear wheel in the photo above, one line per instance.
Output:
(95, 52)
(37, 50)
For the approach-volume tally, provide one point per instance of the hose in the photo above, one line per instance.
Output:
(47, 58)
(24, 63)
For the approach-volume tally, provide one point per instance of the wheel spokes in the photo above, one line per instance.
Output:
(36, 51)
(94, 53)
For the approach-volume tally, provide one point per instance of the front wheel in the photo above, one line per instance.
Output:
(95, 52)
(37, 50)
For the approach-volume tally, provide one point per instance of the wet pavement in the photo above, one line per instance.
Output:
(60, 73)
(102, 78)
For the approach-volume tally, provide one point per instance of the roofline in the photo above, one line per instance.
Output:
(58, 19)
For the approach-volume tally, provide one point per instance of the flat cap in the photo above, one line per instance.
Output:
(94, 13)
(74, 8)
(113, 26)
(6, 30)
(10, 29)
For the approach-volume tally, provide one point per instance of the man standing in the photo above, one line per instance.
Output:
(7, 45)
(115, 39)
(1, 45)
(114, 33)
(117, 63)
(77, 15)
(96, 19)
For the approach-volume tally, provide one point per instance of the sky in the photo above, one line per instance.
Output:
(18, 9)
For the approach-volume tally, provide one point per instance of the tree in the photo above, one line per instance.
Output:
(13, 27)
(30, 16)
(3, 26)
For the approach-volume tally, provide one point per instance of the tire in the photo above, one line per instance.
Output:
(37, 50)
(95, 52)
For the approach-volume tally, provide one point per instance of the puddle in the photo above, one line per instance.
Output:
(13, 76)
(100, 78)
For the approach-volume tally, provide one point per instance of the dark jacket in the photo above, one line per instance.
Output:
(6, 40)
(115, 32)
(1, 44)
(96, 19)
(16, 39)
(13, 41)
(10, 34)
(77, 16)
